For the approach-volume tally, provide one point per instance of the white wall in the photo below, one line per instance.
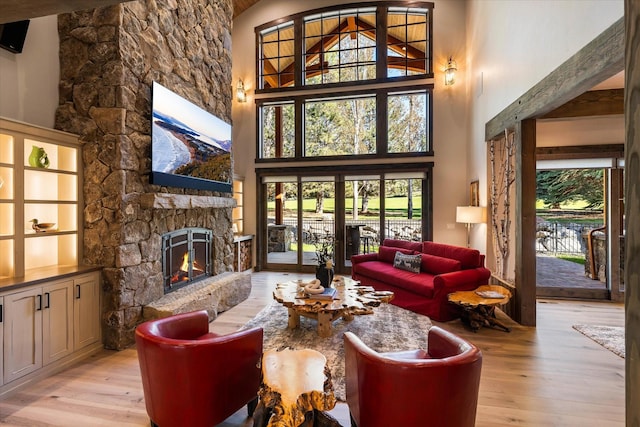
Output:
(512, 45)
(450, 109)
(29, 80)
(580, 131)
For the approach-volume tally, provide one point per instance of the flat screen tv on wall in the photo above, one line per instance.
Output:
(190, 147)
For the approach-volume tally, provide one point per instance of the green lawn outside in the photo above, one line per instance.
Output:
(576, 259)
(395, 206)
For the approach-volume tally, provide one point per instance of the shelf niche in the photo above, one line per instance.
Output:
(50, 194)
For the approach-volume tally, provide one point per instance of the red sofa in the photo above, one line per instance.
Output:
(443, 269)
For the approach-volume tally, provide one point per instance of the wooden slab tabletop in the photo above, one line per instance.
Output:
(472, 299)
(350, 297)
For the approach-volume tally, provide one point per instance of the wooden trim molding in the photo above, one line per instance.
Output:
(580, 152)
(593, 103)
(632, 206)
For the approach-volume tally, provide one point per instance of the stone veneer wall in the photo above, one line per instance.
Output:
(108, 60)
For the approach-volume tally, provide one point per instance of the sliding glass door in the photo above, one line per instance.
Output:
(340, 215)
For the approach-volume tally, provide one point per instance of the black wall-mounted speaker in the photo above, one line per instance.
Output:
(12, 35)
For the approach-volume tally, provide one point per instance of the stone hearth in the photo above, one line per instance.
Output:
(214, 294)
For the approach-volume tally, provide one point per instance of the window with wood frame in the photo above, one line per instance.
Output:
(372, 41)
(352, 80)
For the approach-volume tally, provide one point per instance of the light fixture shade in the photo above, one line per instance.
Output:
(471, 214)
(241, 95)
(450, 72)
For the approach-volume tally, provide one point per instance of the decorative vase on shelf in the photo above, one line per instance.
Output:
(38, 158)
(324, 273)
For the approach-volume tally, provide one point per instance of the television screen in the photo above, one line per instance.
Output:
(190, 147)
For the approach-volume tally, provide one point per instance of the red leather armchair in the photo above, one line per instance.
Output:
(195, 378)
(413, 388)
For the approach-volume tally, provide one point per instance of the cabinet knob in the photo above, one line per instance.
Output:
(77, 291)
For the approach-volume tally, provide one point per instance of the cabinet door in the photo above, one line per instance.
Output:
(1, 341)
(57, 321)
(86, 310)
(22, 333)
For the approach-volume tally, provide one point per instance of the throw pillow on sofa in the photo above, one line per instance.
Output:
(439, 265)
(407, 262)
(388, 253)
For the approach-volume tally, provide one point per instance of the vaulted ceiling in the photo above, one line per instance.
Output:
(18, 10)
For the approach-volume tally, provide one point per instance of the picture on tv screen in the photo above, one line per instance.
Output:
(190, 147)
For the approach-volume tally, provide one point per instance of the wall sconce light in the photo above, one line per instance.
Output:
(241, 95)
(470, 215)
(450, 72)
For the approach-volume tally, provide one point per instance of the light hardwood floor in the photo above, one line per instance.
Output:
(550, 375)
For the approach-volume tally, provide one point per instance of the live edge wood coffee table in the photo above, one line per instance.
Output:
(478, 310)
(351, 299)
(296, 388)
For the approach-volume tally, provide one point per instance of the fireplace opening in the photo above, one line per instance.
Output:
(186, 257)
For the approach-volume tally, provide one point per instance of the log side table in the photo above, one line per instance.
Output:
(296, 388)
(479, 311)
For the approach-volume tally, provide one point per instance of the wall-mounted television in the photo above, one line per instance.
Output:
(190, 147)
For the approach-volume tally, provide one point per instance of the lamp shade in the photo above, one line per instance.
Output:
(471, 214)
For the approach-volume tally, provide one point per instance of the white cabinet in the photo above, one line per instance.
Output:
(47, 323)
(57, 318)
(22, 333)
(49, 305)
(1, 340)
(86, 310)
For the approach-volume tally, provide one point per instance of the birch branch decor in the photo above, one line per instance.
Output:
(502, 158)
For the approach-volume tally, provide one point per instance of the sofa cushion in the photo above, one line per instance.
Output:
(470, 258)
(439, 265)
(388, 253)
(407, 262)
(404, 244)
(418, 283)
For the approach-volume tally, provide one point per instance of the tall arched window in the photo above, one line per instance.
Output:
(362, 76)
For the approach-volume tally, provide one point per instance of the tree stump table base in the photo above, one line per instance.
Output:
(479, 311)
(296, 388)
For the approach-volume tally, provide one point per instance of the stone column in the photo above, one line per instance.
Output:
(109, 58)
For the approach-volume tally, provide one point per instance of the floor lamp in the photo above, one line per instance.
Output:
(470, 215)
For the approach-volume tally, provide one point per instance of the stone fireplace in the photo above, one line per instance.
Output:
(109, 58)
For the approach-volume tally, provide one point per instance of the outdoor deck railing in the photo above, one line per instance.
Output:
(554, 238)
(314, 229)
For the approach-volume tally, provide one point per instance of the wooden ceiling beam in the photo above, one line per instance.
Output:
(350, 25)
(270, 75)
(592, 103)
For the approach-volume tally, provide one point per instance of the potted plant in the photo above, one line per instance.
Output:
(324, 254)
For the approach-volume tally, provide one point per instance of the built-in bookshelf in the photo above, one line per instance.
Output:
(47, 189)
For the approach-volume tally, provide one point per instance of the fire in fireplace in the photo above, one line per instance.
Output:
(186, 257)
